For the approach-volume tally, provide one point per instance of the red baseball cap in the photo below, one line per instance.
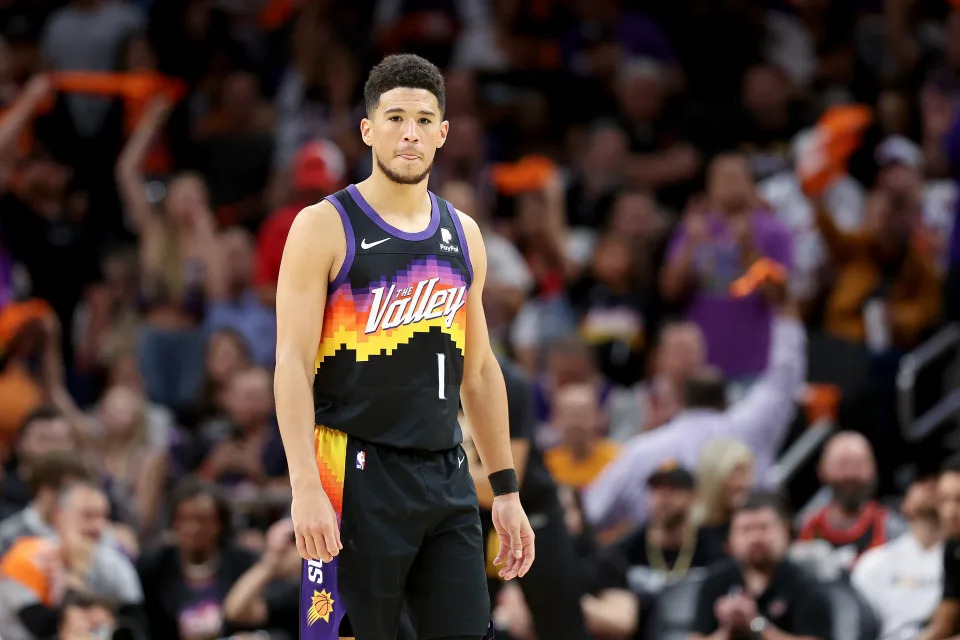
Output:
(318, 165)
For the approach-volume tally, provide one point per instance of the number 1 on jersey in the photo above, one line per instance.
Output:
(441, 362)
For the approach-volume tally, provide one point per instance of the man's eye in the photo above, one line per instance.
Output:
(424, 120)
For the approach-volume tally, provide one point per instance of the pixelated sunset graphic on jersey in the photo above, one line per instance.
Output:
(377, 319)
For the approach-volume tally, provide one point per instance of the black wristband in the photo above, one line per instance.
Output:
(503, 482)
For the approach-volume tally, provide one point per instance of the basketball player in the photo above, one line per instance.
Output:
(380, 336)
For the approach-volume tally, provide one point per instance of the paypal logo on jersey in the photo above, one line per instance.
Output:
(416, 304)
(446, 241)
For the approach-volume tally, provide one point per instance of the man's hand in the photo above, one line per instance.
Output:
(315, 525)
(516, 536)
(279, 536)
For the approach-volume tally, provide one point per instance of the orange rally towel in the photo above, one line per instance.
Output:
(530, 173)
(762, 271)
(823, 156)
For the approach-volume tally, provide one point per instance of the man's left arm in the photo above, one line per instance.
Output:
(484, 397)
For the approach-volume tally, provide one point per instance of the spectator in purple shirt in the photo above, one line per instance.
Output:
(719, 238)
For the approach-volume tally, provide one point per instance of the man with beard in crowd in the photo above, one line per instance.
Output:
(901, 579)
(946, 619)
(852, 518)
(758, 593)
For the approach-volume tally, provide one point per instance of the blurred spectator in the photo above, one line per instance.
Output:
(135, 471)
(186, 581)
(36, 570)
(760, 419)
(44, 431)
(614, 312)
(583, 451)
(43, 213)
(718, 240)
(758, 590)
(600, 173)
(233, 147)
(86, 617)
(946, 619)
(666, 549)
(226, 353)
(267, 595)
(242, 447)
(178, 258)
(234, 303)
(852, 521)
(106, 321)
(902, 579)
(724, 478)
(85, 35)
(49, 475)
(879, 269)
(680, 352)
(317, 170)
(569, 361)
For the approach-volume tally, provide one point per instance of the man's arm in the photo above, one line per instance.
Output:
(944, 622)
(312, 248)
(483, 391)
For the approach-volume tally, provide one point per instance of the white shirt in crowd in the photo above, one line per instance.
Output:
(902, 581)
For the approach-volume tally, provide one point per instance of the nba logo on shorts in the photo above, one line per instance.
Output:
(361, 460)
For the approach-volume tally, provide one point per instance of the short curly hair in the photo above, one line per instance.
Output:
(403, 70)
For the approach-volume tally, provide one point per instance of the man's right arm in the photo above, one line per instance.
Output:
(945, 618)
(315, 240)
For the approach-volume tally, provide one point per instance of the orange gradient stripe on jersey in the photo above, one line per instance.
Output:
(330, 447)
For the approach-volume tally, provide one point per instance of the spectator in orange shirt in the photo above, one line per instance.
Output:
(584, 451)
(318, 171)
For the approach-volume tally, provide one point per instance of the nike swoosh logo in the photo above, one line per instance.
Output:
(460, 462)
(370, 245)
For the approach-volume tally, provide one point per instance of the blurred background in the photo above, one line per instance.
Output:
(706, 290)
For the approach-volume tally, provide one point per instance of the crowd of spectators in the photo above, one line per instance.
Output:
(627, 161)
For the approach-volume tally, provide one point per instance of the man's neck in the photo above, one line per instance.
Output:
(841, 518)
(664, 537)
(755, 581)
(397, 200)
(926, 532)
(44, 509)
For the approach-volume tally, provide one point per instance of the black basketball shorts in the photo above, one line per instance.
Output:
(410, 529)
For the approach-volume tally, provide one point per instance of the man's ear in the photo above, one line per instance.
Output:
(366, 131)
(444, 130)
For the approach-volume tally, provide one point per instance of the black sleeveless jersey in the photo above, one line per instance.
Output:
(390, 360)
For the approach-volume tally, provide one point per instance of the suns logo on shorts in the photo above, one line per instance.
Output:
(361, 460)
(320, 607)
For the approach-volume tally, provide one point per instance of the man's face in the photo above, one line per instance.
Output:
(920, 503)
(45, 436)
(576, 414)
(729, 183)
(948, 494)
(670, 506)
(758, 538)
(405, 132)
(84, 511)
(249, 398)
(681, 351)
(848, 469)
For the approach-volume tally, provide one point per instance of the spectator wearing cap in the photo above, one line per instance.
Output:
(902, 579)
(666, 549)
(760, 419)
(318, 170)
(852, 521)
(758, 592)
(584, 451)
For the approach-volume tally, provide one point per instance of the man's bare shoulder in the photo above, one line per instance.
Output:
(317, 228)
